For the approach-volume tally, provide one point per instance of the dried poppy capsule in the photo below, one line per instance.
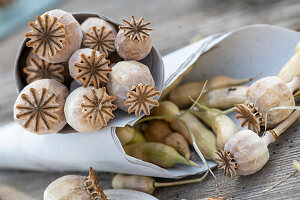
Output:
(89, 109)
(75, 187)
(90, 22)
(54, 36)
(133, 86)
(89, 67)
(262, 95)
(99, 35)
(39, 107)
(41, 71)
(37, 68)
(133, 41)
(246, 153)
(246, 146)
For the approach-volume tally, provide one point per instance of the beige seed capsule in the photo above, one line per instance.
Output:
(133, 42)
(262, 95)
(54, 36)
(39, 108)
(75, 187)
(89, 109)
(133, 86)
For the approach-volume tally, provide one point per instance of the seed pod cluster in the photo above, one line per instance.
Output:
(103, 60)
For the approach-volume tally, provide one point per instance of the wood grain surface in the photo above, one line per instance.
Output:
(176, 22)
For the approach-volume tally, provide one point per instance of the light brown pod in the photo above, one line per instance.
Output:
(180, 95)
(262, 95)
(89, 109)
(89, 67)
(126, 81)
(178, 142)
(55, 36)
(75, 187)
(39, 108)
(157, 131)
(133, 42)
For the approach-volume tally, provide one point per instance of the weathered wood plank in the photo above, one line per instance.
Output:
(175, 22)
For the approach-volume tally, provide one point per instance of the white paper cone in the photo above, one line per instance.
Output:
(242, 53)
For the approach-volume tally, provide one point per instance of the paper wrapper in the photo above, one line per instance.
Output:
(243, 53)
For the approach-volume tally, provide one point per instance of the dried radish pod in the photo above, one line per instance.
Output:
(54, 36)
(180, 95)
(166, 108)
(221, 124)
(157, 131)
(292, 68)
(246, 153)
(262, 95)
(75, 187)
(224, 98)
(178, 142)
(146, 184)
(206, 140)
(89, 67)
(157, 153)
(133, 41)
(133, 86)
(39, 108)
(89, 109)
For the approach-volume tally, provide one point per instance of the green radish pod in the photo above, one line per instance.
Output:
(166, 108)
(125, 134)
(178, 142)
(157, 153)
(221, 124)
(138, 137)
(206, 140)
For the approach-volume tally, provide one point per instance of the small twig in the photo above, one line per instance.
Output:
(286, 178)
(194, 104)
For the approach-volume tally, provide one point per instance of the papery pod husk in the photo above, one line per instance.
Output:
(206, 140)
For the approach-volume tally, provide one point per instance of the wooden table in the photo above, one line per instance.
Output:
(176, 22)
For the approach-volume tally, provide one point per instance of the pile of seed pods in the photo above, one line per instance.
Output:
(95, 58)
